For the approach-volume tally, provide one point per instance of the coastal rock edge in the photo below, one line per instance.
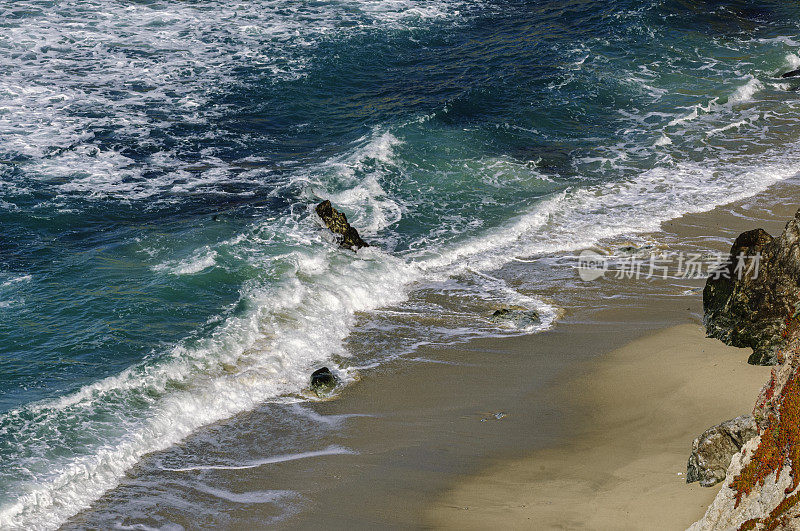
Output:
(747, 300)
(761, 490)
(712, 451)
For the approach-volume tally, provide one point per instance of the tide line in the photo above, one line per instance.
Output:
(330, 450)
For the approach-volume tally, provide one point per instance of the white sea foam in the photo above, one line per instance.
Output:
(693, 114)
(746, 92)
(250, 497)
(200, 261)
(579, 218)
(783, 39)
(330, 450)
(327, 420)
(728, 127)
(501, 172)
(11, 286)
(264, 353)
(663, 140)
(95, 66)
(358, 172)
(15, 279)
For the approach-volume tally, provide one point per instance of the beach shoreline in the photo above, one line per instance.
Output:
(420, 437)
(634, 413)
(409, 428)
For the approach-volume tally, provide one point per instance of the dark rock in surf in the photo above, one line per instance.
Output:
(517, 318)
(336, 221)
(322, 381)
(713, 450)
(633, 249)
(793, 73)
(748, 308)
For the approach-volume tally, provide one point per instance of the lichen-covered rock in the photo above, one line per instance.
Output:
(323, 381)
(761, 484)
(748, 308)
(336, 221)
(712, 451)
(724, 513)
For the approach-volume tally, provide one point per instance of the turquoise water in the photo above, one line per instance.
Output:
(161, 268)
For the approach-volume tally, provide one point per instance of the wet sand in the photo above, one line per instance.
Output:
(456, 411)
(639, 407)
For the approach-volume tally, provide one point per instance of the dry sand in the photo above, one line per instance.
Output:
(641, 406)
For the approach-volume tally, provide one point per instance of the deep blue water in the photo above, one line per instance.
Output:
(160, 267)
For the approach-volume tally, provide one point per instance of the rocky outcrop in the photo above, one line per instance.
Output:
(336, 221)
(747, 300)
(762, 484)
(712, 451)
(323, 381)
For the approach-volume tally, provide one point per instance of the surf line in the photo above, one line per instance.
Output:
(330, 450)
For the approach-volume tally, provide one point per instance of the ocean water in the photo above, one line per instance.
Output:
(160, 265)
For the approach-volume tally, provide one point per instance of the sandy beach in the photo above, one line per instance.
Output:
(639, 408)
(634, 410)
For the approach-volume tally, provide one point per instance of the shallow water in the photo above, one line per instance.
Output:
(161, 269)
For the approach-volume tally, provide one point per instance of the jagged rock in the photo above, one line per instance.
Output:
(323, 381)
(793, 73)
(518, 318)
(762, 484)
(750, 312)
(336, 221)
(712, 451)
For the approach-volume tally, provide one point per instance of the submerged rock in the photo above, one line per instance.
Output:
(634, 249)
(713, 450)
(517, 318)
(793, 73)
(336, 221)
(323, 381)
(749, 308)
